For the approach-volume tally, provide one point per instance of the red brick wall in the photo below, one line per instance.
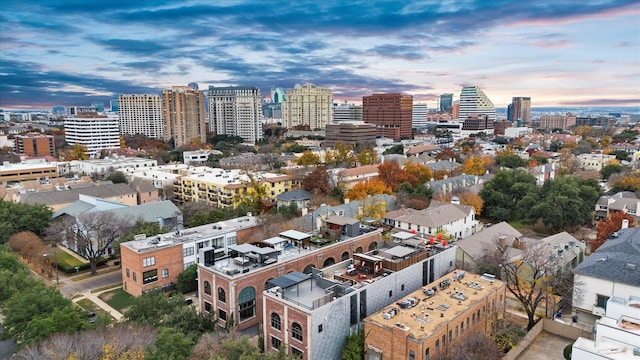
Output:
(166, 258)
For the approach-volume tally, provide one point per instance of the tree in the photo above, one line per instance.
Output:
(16, 217)
(171, 345)
(562, 203)
(502, 193)
(392, 175)
(511, 161)
(422, 173)
(148, 228)
(608, 170)
(255, 194)
(93, 233)
(367, 156)
(117, 177)
(354, 349)
(395, 149)
(28, 245)
(474, 346)
(342, 153)
(368, 187)
(529, 279)
(308, 158)
(448, 153)
(626, 182)
(14, 275)
(188, 279)
(567, 163)
(621, 155)
(606, 227)
(474, 165)
(317, 179)
(471, 199)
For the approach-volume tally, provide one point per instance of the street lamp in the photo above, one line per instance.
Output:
(55, 260)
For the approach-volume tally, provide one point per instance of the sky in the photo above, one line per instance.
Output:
(560, 53)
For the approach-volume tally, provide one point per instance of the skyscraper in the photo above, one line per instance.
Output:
(308, 106)
(419, 116)
(236, 111)
(346, 112)
(141, 114)
(391, 113)
(96, 132)
(183, 111)
(193, 85)
(446, 102)
(474, 102)
(520, 110)
(277, 95)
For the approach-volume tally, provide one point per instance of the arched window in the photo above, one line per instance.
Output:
(247, 303)
(207, 288)
(222, 296)
(275, 321)
(296, 331)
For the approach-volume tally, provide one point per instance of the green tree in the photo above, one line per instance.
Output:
(117, 177)
(188, 279)
(150, 308)
(608, 170)
(171, 345)
(395, 149)
(510, 161)
(17, 217)
(502, 193)
(621, 155)
(562, 203)
(308, 158)
(354, 349)
(367, 156)
(149, 228)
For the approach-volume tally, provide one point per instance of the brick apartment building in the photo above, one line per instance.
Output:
(35, 144)
(434, 321)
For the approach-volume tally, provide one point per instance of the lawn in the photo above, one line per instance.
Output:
(91, 306)
(117, 299)
(65, 258)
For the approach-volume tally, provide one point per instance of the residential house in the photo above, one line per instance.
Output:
(594, 162)
(624, 201)
(468, 183)
(455, 220)
(613, 270)
(349, 177)
(300, 198)
(56, 200)
(371, 210)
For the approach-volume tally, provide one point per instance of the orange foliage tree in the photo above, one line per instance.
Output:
(422, 173)
(608, 226)
(474, 165)
(392, 175)
(471, 199)
(369, 187)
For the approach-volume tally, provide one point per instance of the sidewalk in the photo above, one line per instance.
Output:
(93, 297)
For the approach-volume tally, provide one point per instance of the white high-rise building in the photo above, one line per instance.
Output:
(141, 114)
(347, 112)
(419, 116)
(474, 102)
(96, 132)
(308, 106)
(236, 111)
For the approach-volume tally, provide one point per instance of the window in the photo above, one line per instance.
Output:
(412, 355)
(602, 301)
(165, 273)
(150, 276)
(473, 319)
(437, 345)
(275, 321)
(150, 261)
(390, 293)
(222, 296)
(296, 352)
(450, 335)
(127, 272)
(444, 340)
(320, 328)
(275, 343)
(467, 323)
(426, 354)
(247, 303)
(402, 287)
(478, 315)
(296, 331)
(207, 287)
(222, 315)
(456, 332)
(134, 276)
(188, 251)
(207, 307)
(461, 327)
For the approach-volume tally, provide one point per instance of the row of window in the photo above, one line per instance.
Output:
(246, 300)
(277, 344)
(296, 329)
(148, 276)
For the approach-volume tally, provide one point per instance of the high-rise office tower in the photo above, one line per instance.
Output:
(446, 102)
(183, 111)
(308, 106)
(277, 95)
(346, 112)
(98, 105)
(474, 102)
(142, 114)
(520, 110)
(193, 85)
(236, 111)
(419, 116)
(96, 132)
(113, 105)
(391, 113)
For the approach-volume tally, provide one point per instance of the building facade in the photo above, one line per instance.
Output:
(519, 111)
(346, 112)
(183, 111)
(35, 144)
(141, 114)
(473, 101)
(350, 133)
(236, 111)
(419, 116)
(391, 113)
(563, 122)
(446, 102)
(308, 106)
(445, 317)
(96, 132)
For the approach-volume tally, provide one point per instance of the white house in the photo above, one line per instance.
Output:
(611, 271)
(453, 219)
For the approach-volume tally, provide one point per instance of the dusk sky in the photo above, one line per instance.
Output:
(560, 53)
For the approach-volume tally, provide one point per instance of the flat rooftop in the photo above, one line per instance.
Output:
(191, 234)
(429, 313)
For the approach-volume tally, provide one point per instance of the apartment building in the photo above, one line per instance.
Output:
(183, 111)
(141, 114)
(236, 111)
(35, 144)
(391, 114)
(95, 132)
(308, 106)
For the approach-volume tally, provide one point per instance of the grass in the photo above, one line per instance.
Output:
(89, 305)
(88, 274)
(104, 288)
(117, 299)
(66, 259)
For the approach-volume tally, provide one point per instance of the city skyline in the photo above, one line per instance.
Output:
(558, 53)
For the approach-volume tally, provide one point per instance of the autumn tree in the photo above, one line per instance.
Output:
(474, 165)
(606, 227)
(372, 207)
(392, 175)
(317, 179)
(308, 158)
(368, 187)
(422, 173)
(343, 153)
(448, 153)
(367, 156)
(28, 245)
(626, 182)
(471, 199)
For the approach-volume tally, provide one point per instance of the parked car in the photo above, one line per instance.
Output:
(91, 316)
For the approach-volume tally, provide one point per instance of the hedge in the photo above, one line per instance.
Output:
(71, 269)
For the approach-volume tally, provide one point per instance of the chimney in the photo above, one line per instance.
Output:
(519, 244)
(501, 241)
(625, 224)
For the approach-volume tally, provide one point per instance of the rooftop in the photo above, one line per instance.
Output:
(426, 313)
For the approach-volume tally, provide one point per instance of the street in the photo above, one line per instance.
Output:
(71, 288)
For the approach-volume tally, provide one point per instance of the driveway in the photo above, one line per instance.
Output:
(545, 346)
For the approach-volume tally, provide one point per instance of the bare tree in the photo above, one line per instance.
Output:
(473, 346)
(29, 245)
